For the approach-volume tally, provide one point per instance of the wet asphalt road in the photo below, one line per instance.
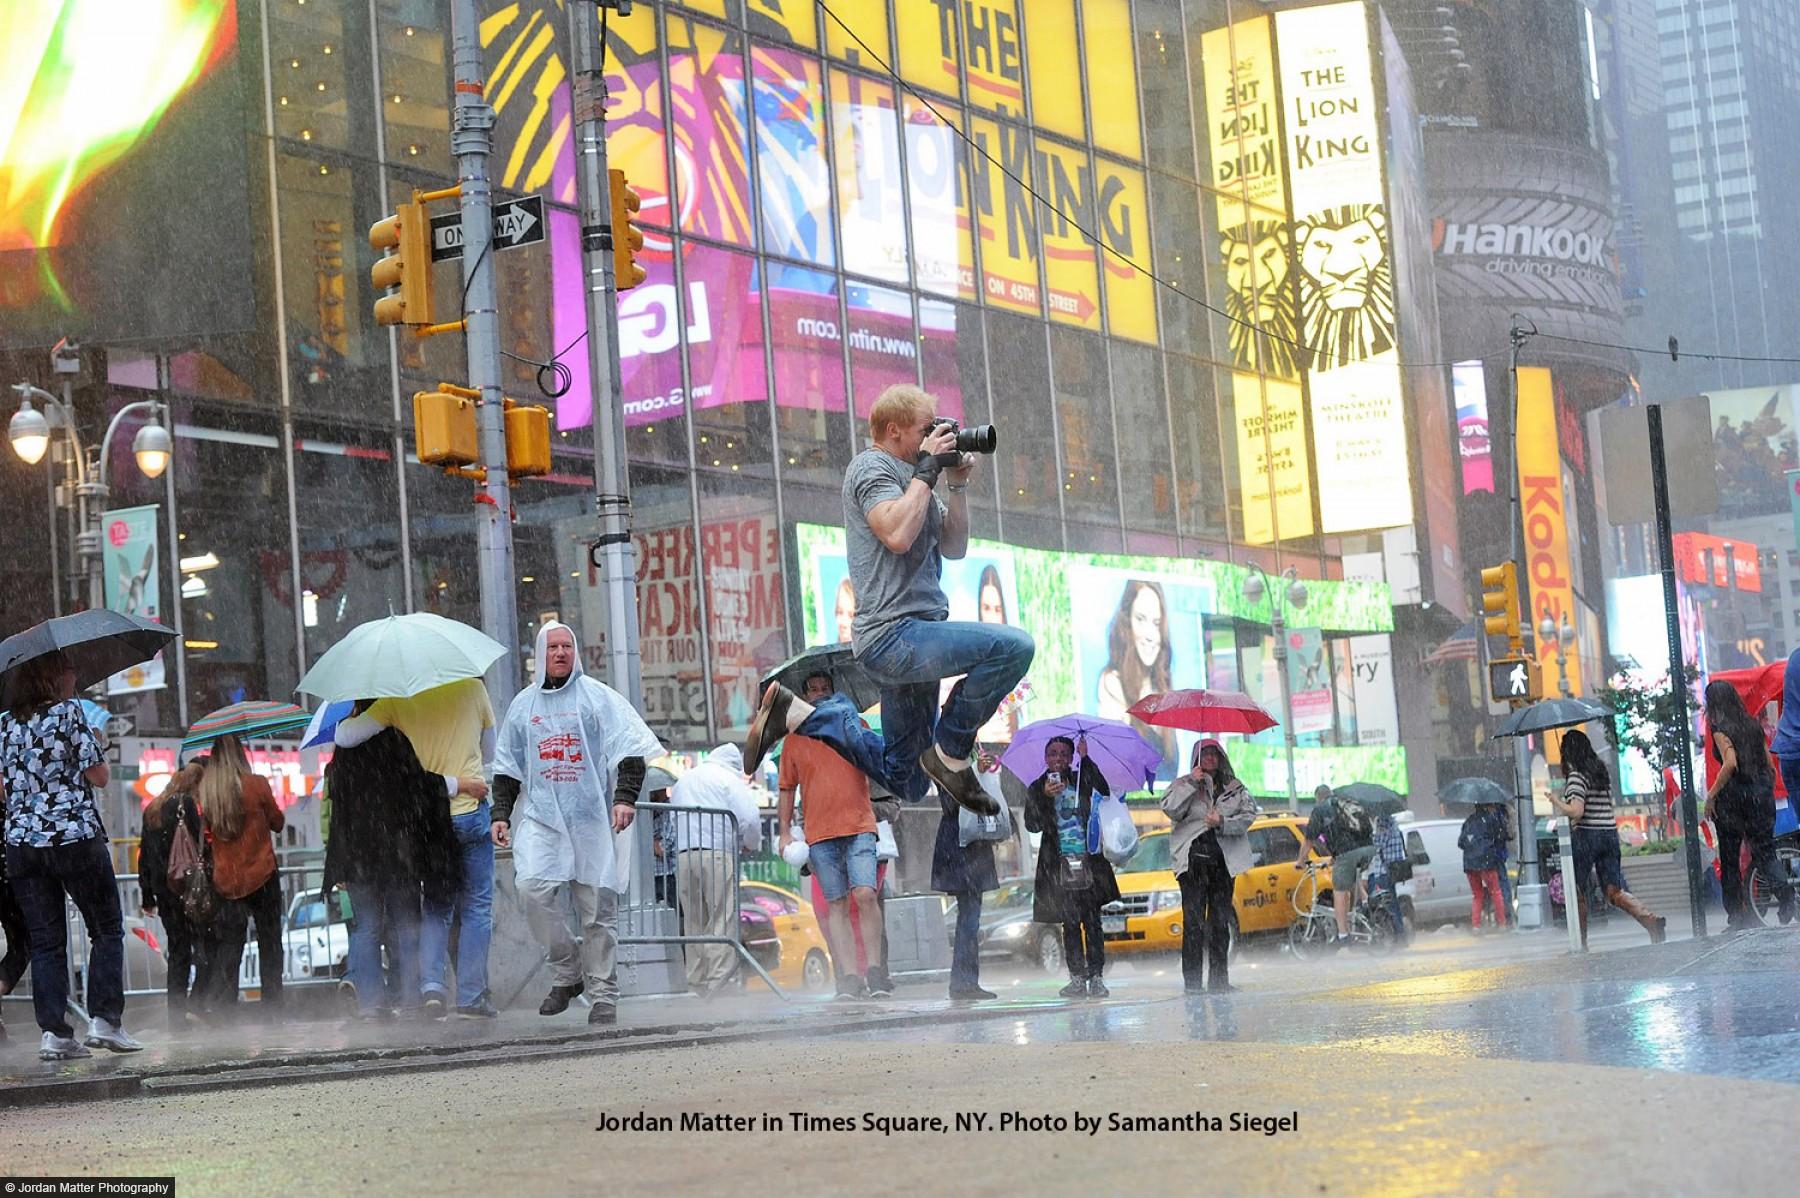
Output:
(1458, 1067)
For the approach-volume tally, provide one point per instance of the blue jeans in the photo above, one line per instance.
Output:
(83, 871)
(844, 863)
(965, 951)
(475, 904)
(908, 662)
(384, 913)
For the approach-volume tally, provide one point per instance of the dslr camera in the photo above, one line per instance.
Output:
(981, 438)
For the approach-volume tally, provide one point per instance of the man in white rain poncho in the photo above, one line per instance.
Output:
(706, 866)
(567, 743)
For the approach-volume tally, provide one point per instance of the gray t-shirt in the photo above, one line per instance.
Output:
(889, 586)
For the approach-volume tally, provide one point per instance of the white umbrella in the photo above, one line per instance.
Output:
(400, 656)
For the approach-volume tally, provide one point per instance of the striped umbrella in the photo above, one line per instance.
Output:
(247, 721)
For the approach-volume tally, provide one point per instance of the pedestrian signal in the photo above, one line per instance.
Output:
(444, 425)
(527, 440)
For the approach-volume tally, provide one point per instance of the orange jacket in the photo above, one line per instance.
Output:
(243, 865)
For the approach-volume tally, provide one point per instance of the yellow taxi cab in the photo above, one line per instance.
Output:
(783, 934)
(1148, 917)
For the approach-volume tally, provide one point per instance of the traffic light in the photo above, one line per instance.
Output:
(406, 236)
(1500, 600)
(627, 238)
(444, 424)
(527, 440)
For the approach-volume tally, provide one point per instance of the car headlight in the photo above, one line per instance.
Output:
(1009, 931)
(1165, 900)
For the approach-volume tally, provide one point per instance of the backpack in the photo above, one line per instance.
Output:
(1352, 824)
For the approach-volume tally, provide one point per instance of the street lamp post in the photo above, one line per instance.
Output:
(30, 431)
(1293, 595)
(1562, 638)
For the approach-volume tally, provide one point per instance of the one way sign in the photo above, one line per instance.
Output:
(516, 223)
(1512, 679)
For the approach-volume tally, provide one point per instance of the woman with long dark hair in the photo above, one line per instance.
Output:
(51, 764)
(1138, 657)
(1741, 801)
(1587, 801)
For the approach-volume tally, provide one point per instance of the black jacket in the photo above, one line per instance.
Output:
(1051, 903)
(957, 868)
(158, 840)
(390, 820)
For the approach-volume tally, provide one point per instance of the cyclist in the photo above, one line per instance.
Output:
(1390, 867)
(1343, 830)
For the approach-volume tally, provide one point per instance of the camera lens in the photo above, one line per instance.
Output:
(982, 438)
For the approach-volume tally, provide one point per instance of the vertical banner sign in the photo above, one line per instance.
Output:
(1309, 681)
(1343, 250)
(1372, 682)
(133, 577)
(1546, 563)
(1243, 128)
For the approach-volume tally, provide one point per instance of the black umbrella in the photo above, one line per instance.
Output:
(1372, 797)
(847, 677)
(1552, 713)
(97, 644)
(1473, 792)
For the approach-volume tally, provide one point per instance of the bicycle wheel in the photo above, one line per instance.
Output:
(1307, 937)
(1372, 928)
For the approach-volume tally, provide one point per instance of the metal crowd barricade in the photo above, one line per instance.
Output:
(702, 912)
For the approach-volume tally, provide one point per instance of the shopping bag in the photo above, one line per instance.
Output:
(1118, 835)
(971, 827)
(886, 847)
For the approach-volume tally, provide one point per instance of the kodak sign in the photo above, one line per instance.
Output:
(1546, 525)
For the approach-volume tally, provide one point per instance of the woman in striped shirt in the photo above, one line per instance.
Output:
(1587, 801)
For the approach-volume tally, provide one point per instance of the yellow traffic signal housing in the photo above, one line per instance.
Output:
(1500, 600)
(527, 440)
(627, 238)
(445, 427)
(406, 236)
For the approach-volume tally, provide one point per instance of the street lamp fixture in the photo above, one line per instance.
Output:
(1549, 634)
(152, 448)
(29, 433)
(1294, 596)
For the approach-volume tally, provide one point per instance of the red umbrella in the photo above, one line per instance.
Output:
(1204, 711)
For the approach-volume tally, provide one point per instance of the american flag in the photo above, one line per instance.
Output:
(1462, 645)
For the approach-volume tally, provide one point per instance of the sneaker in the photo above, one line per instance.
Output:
(60, 1048)
(1097, 989)
(110, 1036)
(603, 1013)
(1660, 932)
(959, 784)
(880, 984)
(970, 994)
(479, 1010)
(769, 726)
(1786, 912)
(558, 1000)
(851, 988)
(437, 1004)
(1078, 988)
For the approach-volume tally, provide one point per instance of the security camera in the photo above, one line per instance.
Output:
(65, 357)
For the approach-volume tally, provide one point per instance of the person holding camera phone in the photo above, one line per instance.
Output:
(898, 532)
(1074, 880)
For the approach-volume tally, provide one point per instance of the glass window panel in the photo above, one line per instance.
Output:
(1112, 76)
(1051, 46)
(349, 529)
(414, 45)
(1162, 62)
(795, 189)
(1180, 247)
(1084, 415)
(337, 355)
(730, 404)
(937, 164)
(871, 198)
(955, 365)
(527, 83)
(1019, 367)
(929, 54)
(636, 116)
(651, 318)
(883, 347)
(993, 59)
(710, 101)
(1200, 483)
(1124, 232)
(867, 31)
(1006, 215)
(1147, 488)
(789, 20)
(808, 355)
(668, 597)
(319, 72)
(1067, 219)
(231, 496)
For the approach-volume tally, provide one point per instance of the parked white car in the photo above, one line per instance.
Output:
(317, 942)
(1440, 888)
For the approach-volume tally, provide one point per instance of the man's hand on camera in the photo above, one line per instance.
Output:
(959, 475)
(927, 469)
(941, 439)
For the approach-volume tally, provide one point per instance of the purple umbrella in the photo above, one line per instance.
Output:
(1125, 759)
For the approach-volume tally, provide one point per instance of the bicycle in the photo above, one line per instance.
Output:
(1315, 931)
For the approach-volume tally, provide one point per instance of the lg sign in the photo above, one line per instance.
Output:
(648, 319)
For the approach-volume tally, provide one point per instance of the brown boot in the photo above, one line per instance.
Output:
(1624, 900)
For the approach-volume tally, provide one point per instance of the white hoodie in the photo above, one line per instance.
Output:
(564, 744)
(717, 782)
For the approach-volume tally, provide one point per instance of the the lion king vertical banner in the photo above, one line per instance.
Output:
(1342, 243)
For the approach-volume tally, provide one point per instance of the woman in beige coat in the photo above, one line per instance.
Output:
(1210, 845)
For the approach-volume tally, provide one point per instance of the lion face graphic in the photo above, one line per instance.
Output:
(1259, 293)
(1346, 285)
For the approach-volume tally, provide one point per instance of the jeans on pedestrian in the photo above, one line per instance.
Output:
(184, 951)
(474, 903)
(1206, 896)
(965, 950)
(41, 878)
(384, 913)
(267, 910)
(909, 661)
(18, 939)
(221, 958)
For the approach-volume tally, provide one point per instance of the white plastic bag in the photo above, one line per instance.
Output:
(886, 847)
(1118, 835)
(971, 828)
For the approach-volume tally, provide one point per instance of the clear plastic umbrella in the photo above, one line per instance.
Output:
(400, 656)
